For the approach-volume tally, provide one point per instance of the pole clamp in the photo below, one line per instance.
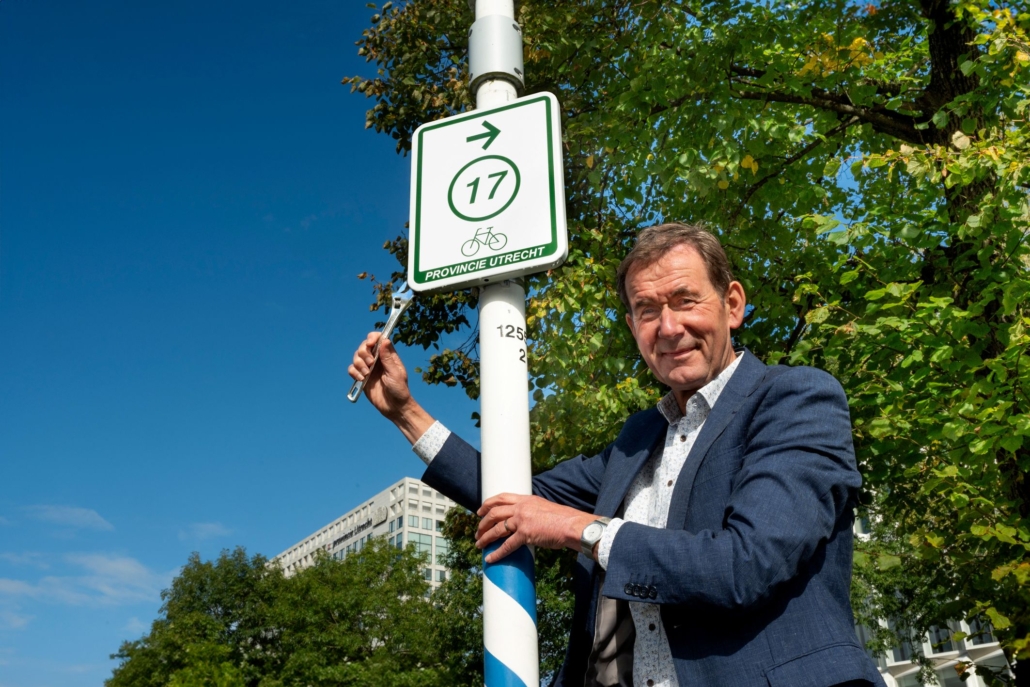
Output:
(495, 51)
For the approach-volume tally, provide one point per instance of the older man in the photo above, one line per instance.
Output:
(715, 531)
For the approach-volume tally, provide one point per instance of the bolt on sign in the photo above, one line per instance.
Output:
(487, 196)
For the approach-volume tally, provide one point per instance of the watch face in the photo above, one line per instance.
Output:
(593, 531)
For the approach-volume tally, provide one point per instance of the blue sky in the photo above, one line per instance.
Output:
(187, 194)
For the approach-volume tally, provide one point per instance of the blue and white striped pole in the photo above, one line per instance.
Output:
(512, 655)
(509, 594)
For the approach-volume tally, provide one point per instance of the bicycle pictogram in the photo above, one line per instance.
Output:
(485, 237)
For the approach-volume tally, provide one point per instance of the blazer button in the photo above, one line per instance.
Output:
(628, 589)
(653, 592)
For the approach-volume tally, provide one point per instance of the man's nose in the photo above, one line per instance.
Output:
(669, 325)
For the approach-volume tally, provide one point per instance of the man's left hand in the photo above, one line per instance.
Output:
(528, 520)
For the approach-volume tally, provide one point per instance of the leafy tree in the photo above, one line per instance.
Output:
(238, 621)
(866, 166)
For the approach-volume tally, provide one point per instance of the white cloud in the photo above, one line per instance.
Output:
(9, 620)
(32, 558)
(69, 516)
(16, 587)
(107, 581)
(83, 668)
(135, 626)
(204, 530)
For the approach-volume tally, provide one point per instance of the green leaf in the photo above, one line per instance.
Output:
(999, 621)
(886, 562)
(875, 294)
(818, 315)
(1011, 443)
(980, 446)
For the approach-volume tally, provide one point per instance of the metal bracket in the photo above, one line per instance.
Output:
(495, 51)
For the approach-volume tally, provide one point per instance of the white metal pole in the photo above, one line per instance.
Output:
(509, 595)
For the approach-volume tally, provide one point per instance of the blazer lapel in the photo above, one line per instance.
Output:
(628, 459)
(745, 379)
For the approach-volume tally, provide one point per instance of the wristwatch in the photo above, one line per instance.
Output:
(592, 534)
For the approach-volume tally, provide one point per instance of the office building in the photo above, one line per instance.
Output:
(979, 648)
(408, 512)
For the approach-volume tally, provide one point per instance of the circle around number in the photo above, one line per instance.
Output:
(450, 190)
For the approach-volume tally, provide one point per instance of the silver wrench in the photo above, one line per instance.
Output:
(402, 298)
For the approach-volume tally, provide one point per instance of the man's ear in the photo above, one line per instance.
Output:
(736, 303)
(629, 323)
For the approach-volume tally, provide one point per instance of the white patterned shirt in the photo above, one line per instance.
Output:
(647, 502)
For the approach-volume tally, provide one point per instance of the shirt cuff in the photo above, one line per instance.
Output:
(430, 443)
(604, 547)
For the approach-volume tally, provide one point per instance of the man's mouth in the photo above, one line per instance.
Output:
(678, 353)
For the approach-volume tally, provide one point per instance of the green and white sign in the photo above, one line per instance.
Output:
(487, 196)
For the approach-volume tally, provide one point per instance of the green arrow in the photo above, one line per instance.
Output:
(491, 133)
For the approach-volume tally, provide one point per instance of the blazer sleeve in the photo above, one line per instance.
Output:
(455, 471)
(797, 478)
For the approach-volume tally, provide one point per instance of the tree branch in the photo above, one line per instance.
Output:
(788, 162)
(885, 121)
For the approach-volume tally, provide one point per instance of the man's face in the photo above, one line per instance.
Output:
(680, 323)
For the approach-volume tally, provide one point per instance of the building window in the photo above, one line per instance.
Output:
(903, 652)
(441, 575)
(427, 524)
(949, 678)
(439, 525)
(400, 522)
(412, 489)
(442, 547)
(398, 543)
(427, 574)
(979, 632)
(940, 640)
(423, 543)
(413, 521)
(427, 492)
(392, 525)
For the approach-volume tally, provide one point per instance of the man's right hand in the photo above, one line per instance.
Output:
(386, 386)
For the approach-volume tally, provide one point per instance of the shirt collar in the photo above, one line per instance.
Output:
(709, 393)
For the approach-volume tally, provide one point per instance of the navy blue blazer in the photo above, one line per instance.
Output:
(753, 568)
